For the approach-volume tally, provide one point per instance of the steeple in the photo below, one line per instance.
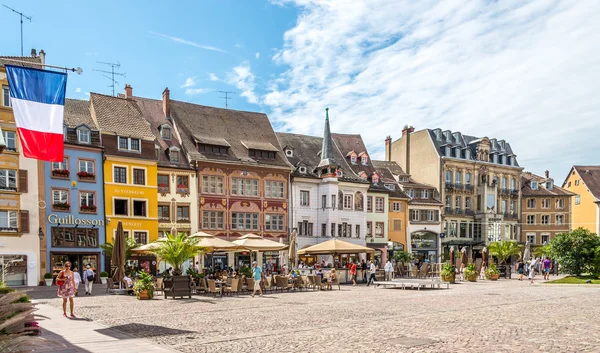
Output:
(327, 167)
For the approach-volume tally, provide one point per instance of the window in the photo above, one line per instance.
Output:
(323, 201)
(83, 135)
(512, 184)
(379, 204)
(397, 225)
(289, 153)
(139, 208)
(577, 182)
(165, 132)
(129, 144)
(164, 213)
(212, 184)
(163, 183)
(531, 219)
(414, 215)
(560, 204)
(120, 175)
(448, 176)
(545, 219)
(305, 228)
(87, 201)
(531, 238)
(458, 177)
(358, 230)
(8, 221)
(244, 187)
(358, 201)
(379, 229)
(244, 221)
(530, 203)
(560, 219)
(162, 234)
(448, 201)
(323, 229)
(139, 176)
(212, 149)
(364, 160)
(333, 229)
(545, 203)
(262, 154)
(212, 220)
(457, 202)
(545, 238)
(6, 96)
(504, 183)
(274, 189)
(468, 202)
(513, 206)
(397, 206)
(121, 207)
(424, 194)
(577, 199)
(276, 222)
(333, 202)
(369, 229)
(375, 178)
(353, 159)
(503, 206)
(60, 197)
(8, 179)
(534, 185)
(183, 213)
(369, 203)
(549, 185)
(467, 178)
(304, 198)
(86, 167)
(347, 202)
(10, 139)
(174, 156)
(140, 237)
(183, 182)
(64, 165)
(410, 193)
(390, 186)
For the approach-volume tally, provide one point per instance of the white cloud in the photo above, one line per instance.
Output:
(194, 91)
(87, 93)
(189, 82)
(187, 42)
(213, 77)
(257, 55)
(77, 90)
(243, 79)
(522, 72)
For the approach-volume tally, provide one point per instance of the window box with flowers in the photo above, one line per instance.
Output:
(87, 209)
(163, 188)
(86, 176)
(182, 189)
(61, 173)
(61, 206)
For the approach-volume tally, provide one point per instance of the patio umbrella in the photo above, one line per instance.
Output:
(527, 252)
(463, 256)
(147, 248)
(335, 246)
(292, 251)
(255, 242)
(213, 243)
(484, 255)
(118, 255)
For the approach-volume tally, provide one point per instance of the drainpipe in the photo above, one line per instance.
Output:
(105, 219)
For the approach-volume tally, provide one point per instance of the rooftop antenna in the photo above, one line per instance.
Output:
(227, 98)
(22, 15)
(112, 74)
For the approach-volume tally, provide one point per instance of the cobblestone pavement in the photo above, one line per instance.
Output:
(502, 316)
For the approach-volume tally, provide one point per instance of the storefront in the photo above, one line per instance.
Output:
(242, 259)
(13, 269)
(78, 261)
(424, 246)
(271, 262)
(216, 261)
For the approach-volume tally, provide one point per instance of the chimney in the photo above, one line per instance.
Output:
(128, 91)
(547, 174)
(43, 56)
(33, 53)
(166, 103)
(388, 148)
(406, 132)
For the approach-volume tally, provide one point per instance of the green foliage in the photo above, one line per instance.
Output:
(246, 271)
(129, 244)
(491, 270)
(447, 272)
(402, 256)
(195, 274)
(577, 251)
(470, 273)
(16, 319)
(541, 251)
(5, 290)
(145, 282)
(103, 274)
(503, 250)
(576, 280)
(23, 299)
(47, 275)
(177, 249)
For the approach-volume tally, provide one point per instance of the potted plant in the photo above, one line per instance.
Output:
(144, 286)
(88, 208)
(448, 273)
(103, 277)
(246, 271)
(492, 272)
(470, 273)
(86, 175)
(61, 173)
(163, 188)
(503, 250)
(61, 206)
(48, 279)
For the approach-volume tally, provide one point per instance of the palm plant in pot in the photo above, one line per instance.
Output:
(144, 287)
(492, 272)
(448, 273)
(503, 250)
(470, 273)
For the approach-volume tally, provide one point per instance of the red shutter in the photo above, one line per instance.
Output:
(23, 180)
(24, 221)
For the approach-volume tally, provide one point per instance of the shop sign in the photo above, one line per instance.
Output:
(70, 219)
(129, 192)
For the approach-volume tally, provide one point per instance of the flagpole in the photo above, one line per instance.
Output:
(77, 70)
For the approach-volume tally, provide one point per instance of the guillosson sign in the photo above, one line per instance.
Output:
(70, 219)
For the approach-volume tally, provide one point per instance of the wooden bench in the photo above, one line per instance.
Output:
(411, 283)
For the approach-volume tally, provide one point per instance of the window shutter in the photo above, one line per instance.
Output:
(24, 221)
(22, 180)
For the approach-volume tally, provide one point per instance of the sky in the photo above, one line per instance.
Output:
(527, 72)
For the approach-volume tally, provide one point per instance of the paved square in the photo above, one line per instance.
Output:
(503, 316)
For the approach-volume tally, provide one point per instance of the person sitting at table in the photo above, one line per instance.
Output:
(333, 277)
(128, 283)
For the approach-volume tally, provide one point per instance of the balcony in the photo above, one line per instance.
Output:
(458, 211)
(468, 187)
(448, 210)
(469, 212)
(458, 186)
(514, 193)
(504, 191)
(449, 186)
(511, 215)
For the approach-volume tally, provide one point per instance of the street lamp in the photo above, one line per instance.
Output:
(41, 233)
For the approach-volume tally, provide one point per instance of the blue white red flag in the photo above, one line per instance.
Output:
(38, 101)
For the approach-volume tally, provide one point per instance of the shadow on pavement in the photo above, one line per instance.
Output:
(128, 331)
(50, 342)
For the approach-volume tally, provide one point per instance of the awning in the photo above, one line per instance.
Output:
(462, 242)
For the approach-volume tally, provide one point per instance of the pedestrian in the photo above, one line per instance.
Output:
(547, 265)
(532, 266)
(353, 272)
(372, 271)
(66, 287)
(77, 280)
(363, 267)
(88, 279)
(483, 268)
(521, 269)
(388, 270)
(197, 267)
(257, 275)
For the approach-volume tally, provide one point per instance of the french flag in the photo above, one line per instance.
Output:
(38, 101)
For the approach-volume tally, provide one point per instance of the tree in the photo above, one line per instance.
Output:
(577, 251)
(402, 256)
(503, 250)
(177, 249)
(129, 245)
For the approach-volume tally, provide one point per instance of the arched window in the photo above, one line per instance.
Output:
(358, 201)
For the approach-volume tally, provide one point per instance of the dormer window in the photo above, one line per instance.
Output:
(174, 155)
(289, 153)
(129, 144)
(375, 178)
(549, 185)
(364, 160)
(262, 154)
(339, 173)
(165, 132)
(302, 170)
(212, 149)
(83, 135)
(353, 159)
(363, 175)
(390, 186)
(534, 185)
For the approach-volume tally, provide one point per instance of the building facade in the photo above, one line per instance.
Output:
(546, 209)
(21, 183)
(74, 190)
(584, 183)
(324, 204)
(478, 179)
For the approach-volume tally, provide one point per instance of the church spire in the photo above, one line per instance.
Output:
(327, 165)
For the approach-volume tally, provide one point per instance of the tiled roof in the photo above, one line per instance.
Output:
(425, 202)
(346, 143)
(234, 126)
(591, 177)
(30, 59)
(120, 116)
(391, 166)
(77, 112)
(257, 145)
(526, 190)
(209, 140)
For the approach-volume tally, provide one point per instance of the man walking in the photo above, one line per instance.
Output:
(88, 279)
(257, 275)
(532, 266)
(388, 270)
(363, 267)
(372, 271)
(353, 272)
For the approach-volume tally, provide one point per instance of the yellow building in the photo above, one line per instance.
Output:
(584, 182)
(130, 168)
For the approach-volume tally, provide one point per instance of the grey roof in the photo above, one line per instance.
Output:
(393, 167)
(209, 140)
(327, 148)
(120, 116)
(77, 113)
(591, 177)
(257, 145)
(457, 140)
(234, 126)
(526, 190)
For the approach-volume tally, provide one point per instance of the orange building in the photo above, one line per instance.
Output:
(584, 182)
